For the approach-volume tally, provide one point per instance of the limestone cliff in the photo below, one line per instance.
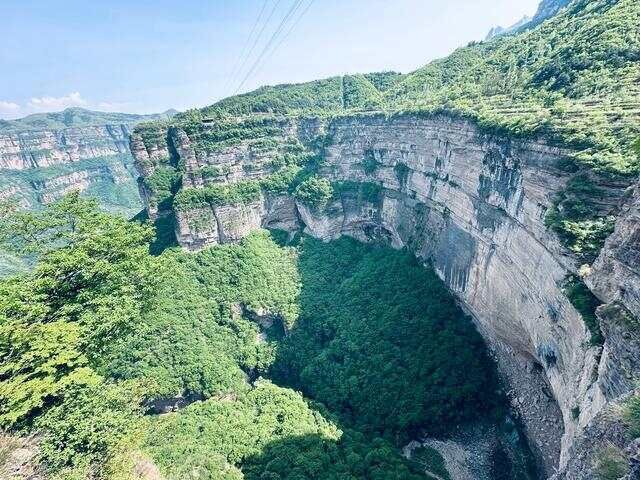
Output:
(38, 167)
(44, 156)
(471, 204)
(46, 148)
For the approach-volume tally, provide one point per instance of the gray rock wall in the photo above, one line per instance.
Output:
(44, 148)
(39, 166)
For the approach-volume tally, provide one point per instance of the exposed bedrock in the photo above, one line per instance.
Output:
(44, 148)
(39, 166)
(473, 206)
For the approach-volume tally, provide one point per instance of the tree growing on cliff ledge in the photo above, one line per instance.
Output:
(315, 191)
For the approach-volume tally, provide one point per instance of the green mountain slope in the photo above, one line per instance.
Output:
(574, 77)
(331, 95)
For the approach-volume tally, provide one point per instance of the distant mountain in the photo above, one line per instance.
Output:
(46, 155)
(499, 31)
(76, 117)
(546, 10)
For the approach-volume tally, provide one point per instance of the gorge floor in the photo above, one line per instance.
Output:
(379, 347)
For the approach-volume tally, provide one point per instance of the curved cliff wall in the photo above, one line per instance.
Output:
(471, 204)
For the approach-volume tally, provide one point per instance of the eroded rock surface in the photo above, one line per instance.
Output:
(39, 166)
(44, 148)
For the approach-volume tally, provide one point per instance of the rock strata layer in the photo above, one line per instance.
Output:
(39, 166)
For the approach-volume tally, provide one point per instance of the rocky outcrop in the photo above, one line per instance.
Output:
(547, 9)
(499, 31)
(615, 275)
(605, 440)
(478, 451)
(473, 206)
(19, 459)
(202, 227)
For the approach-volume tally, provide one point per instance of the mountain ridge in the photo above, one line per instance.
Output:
(546, 10)
(74, 117)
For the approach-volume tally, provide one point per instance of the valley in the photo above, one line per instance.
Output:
(369, 276)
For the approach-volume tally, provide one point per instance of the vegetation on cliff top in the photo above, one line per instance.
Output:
(573, 77)
(76, 117)
(328, 96)
(101, 334)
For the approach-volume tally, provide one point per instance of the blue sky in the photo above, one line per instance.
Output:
(150, 55)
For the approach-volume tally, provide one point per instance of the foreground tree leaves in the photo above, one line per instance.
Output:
(90, 287)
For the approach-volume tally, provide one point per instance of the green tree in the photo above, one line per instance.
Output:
(315, 191)
(93, 280)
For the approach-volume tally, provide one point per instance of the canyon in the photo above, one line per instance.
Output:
(472, 204)
(509, 173)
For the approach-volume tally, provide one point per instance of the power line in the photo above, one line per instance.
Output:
(286, 35)
(296, 4)
(274, 35)
(234, 72)
(258, 37)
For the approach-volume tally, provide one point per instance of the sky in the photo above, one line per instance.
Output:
(146, 56)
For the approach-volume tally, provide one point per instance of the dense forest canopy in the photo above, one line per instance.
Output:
(101, 336)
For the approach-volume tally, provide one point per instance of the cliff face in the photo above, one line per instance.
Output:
(39, 166)
(472, 205)
(45, 148)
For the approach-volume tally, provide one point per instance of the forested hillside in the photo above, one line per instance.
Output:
(45, 155)
(75, 118)
(101, 337)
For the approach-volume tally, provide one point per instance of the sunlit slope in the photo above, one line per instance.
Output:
(576, 76)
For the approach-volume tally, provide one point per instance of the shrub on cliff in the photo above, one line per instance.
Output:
(239, 193)
(162, 185)
(315, 192)
(586, 303)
